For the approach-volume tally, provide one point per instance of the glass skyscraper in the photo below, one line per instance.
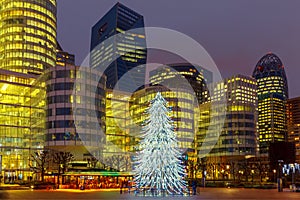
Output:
(233, 136)
(272, 90)
(238, 136)
(27, 49)
(169, 76)
(27, 35)
(126, 52)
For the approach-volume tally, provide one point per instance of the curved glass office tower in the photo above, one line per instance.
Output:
(27, 35)
(27, 48)
(272, 90)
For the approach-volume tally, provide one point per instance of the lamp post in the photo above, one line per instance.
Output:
(293, 175)
(252, 174)
(274, 175)
(228, 171)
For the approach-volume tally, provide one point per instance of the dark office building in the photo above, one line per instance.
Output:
(64, 58)
(281, 151)
(293, 124)
(272, 91)
(124, 53)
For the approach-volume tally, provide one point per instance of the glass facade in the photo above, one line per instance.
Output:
(22, 123)
(120, 142)
(69, 104)
(27, 35)
(197, 80)
(119, 122)
(28, 48)
(238, 136)
(125, 53)
(272, 90)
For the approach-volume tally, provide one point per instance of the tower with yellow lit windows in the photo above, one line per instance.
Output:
(27, 35)
(27, 49)
(272, 90)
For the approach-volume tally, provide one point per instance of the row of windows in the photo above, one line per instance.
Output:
(72, 136)
(240, 116)
(239, 141)
(60, 86)
(32, 27)
(30, 56)
(27, 47)
(10, 35)
(78, 74)
(78, 111)
(70, 86)
(23, 14)
(239, 124)
(238, 132)
(232, 149)
(51, 11)
(60, 99)
(70, 124)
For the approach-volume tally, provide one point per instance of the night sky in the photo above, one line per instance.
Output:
(236, 33)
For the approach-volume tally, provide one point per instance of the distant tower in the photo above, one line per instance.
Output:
(120, 19)
(28, 35)
(64, 58)
(272, 96)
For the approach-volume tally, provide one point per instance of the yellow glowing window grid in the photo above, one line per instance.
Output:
(29, 48)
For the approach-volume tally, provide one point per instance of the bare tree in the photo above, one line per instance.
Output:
(245, 168)
(92, 161)
(39, 161)
(119, 162)
(62, 159)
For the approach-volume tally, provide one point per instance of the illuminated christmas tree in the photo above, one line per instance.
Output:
(159, 165)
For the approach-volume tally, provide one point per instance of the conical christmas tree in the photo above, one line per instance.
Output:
(159, 165)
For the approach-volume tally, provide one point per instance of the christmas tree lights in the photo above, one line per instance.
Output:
(158, 165)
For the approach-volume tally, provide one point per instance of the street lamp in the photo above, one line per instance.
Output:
(252, 173)
(293, 174)
(274, 174)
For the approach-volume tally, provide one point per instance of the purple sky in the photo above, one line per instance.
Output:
(236, 33)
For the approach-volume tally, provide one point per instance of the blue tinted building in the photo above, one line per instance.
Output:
(126, 52)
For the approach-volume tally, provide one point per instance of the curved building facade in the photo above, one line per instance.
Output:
(27, 35)
(272, 90)
(66, 109)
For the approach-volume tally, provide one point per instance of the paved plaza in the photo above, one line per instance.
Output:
(205, 193)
